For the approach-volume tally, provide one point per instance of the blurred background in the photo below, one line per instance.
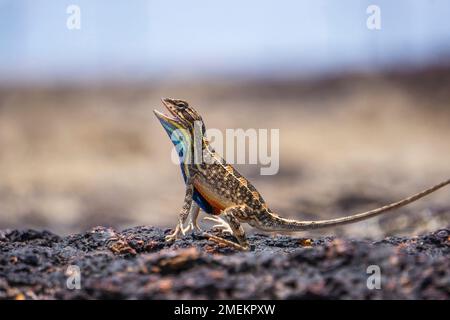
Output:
(363, 114)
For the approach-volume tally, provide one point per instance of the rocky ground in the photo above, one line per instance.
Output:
(137, 264)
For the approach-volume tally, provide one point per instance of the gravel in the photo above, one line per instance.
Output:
(136, 263)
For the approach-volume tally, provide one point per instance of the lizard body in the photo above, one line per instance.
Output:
(220, 190)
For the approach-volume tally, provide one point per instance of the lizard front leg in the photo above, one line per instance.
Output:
(188, 206)
(232, 215)
(193, 223)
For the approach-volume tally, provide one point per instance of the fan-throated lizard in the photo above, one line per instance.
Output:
(218, 189)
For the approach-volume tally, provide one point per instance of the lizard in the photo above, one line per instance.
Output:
(225, 195)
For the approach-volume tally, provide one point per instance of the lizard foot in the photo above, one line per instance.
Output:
(225, 242)
(192, 227)
(174, 235)
(195, 226)
(222, 225)
(183, 230)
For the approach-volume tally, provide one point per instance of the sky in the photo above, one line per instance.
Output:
(177, 38)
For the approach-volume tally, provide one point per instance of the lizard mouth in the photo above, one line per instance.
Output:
(170, 106)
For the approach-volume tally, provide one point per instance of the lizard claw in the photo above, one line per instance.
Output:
(170, 238)
(183, 230)
(222, 225)
(186, 229)
(189, 227)
(196, 226)
(193, 225)
(174, 235)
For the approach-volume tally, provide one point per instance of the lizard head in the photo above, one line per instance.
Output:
(182, 116)
(179, 123)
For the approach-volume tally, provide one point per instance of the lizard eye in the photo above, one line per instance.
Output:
(182, 105)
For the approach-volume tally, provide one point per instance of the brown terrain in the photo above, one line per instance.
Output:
(136, 263)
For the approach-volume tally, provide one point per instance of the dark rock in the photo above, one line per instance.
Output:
(137, 264)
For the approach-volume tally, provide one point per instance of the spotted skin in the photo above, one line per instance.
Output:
(221, 190)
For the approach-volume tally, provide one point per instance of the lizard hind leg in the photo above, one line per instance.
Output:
(231, 215)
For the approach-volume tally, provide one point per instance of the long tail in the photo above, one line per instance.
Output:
(295, 225)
